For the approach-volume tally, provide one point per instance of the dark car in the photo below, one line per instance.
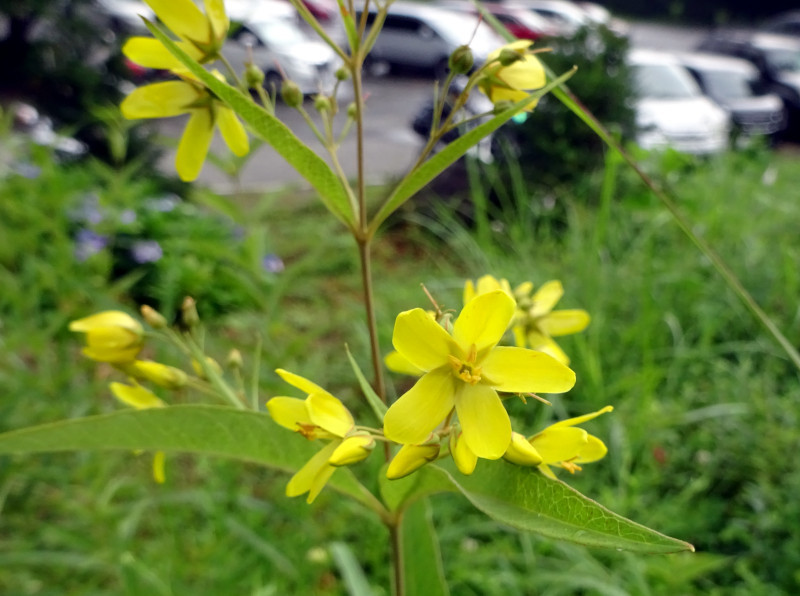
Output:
(732, 83)
(777, 59)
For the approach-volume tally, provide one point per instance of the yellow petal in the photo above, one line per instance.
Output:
(311, 478)
(159, 464)
(518, 45)
(232, 131)
(484, 420)
(215, 9)
(463, 456)
(521, 452)
(469, 291)
(301, 383)
(352, 450)
(559, 444)
(135, 396)
(417, 412)
(329, 413)
(150, 53)
(581, 419)
(193, 146)
(155, 372)
(499, 94)
(525, 74)
(116, 356)
(411, 458)
(484, 320)
(594, 450)
(543, 343)
(565, 322)
(546, 298)
(422, 341)
(107, 318)
(183, 18)
(289, 412)
(518, 370)
(398, 363)
(159, 100)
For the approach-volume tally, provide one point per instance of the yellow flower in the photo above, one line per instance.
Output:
(561, 445)
(201, 35)
(140, 398)
(411, 458)
(319, 416)
(463, 456)
(464, 371)
(173, 98)
(512, 73)
(162, 375)
(111, 336)
(535, 322)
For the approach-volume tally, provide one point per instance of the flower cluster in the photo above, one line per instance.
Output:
(201, 36)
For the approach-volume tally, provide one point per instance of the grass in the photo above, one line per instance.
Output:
(701, 439)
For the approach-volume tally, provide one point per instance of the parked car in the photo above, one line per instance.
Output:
(278, 46)
(785, 23)
(422, 36)
(732, 83)
(565, 17)
(671, 110)
(521, 23)
(777, 59)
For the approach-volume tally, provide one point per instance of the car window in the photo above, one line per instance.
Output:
(663, 81)
(726, 84)
(279, 33)
(783, 60)
(401, 23)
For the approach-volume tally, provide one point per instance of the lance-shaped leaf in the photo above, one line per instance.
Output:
(419, 177)
(299, 155)
(524, 499)
(423, 573)
(210, 430)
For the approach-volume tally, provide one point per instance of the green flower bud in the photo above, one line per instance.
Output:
(351, 111)
(152, 317)
(322, 103)
(291, 94)
(234, 359)
(461, 60)
(342, 74)
(253, 76)
(189, 312)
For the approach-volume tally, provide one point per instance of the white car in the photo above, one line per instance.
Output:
(671, 110)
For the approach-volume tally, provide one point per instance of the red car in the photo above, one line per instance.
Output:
(521, 23)
(323, 10)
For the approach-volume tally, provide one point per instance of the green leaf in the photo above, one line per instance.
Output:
(375, 402)
(299, 155)
(209, 430)
(524, 499)
(419, 177)
(354, 578)
(423, 573)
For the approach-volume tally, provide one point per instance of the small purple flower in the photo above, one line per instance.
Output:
(88, 243)
(146, 251)
(127, 217)
(272, 263)
(163, 204)
(27, 170)
(89, 211)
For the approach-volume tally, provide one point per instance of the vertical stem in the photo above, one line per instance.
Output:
(398, 566)
(372, 324)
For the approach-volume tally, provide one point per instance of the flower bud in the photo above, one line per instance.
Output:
(162, 375)
(352, 110)
(135, 396)
(342, 74)
(291, 94)
(463, 456)
(508, 56)
(111, 336)
(234, 359)
(352, 450)
(521, 452)
(322, 103)
(253, 76)
(199, 370)
(411, 458)
(152, 317)
(189, 314)
(461, 60)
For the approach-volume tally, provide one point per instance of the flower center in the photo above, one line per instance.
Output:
(466, 369)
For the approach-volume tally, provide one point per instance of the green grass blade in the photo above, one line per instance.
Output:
(354, 578)
(301, 157)
(208, 430)
(417, 178)
(423, 573)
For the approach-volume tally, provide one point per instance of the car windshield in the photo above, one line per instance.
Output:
(279, 33)
(458, 29)
(663, 81)
(726, 84)
(783, 60)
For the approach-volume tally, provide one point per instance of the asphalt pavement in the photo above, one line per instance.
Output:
(391, 145)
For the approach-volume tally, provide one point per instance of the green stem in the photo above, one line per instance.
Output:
(398, 565)
(369, 305)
